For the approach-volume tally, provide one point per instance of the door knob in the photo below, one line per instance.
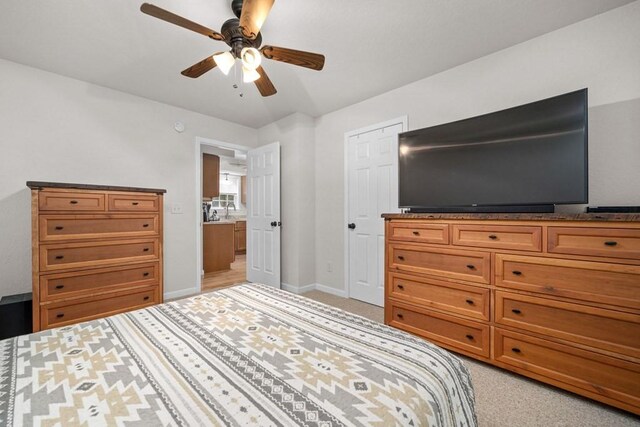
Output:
(352, 226)
(274, 223)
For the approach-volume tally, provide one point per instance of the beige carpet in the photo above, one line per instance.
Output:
(505, 399)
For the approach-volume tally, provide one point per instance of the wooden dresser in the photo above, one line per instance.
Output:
(553, 297)
(97, 251)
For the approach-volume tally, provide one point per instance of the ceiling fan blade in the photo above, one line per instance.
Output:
(254, 13)
(315, 61)
(196, 70)
(172, 18)
(264, 84)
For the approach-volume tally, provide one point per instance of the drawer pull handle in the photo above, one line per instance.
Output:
(516, 350)
(59, 227)
(59, 286)
(400, 286)
(493, 236)
(416, 233)
(471, 266)
(146, 298)
(134, 203)
(400, 257)
(60, 315)
(59, 256)
(145, 225)
(611, 243)
(469, 301)
(145, 250)
(145, 274)
(469, 336)
(517, 273)
(516, 311)
(400, 316)
(73, 202)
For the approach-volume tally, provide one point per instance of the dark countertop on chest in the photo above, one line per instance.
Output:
(625, 217)
(37, 185)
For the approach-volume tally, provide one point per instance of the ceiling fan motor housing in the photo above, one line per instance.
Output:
(234, 38)
(236, 6)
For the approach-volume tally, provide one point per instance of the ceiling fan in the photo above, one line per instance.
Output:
(243, 36)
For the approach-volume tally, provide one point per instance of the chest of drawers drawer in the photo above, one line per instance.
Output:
(521, 238)
(65, 313)
(599, 375)
(60, 256)
(606, 283)
(70, 201)
(601, 242)
(58, 286)
(66, 227)
(463, 265)
(133, 203)
(470, 301)
(420, 233)
(466, 335)
(597, 327)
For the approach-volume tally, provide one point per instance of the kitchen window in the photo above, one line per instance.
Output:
(223, 200)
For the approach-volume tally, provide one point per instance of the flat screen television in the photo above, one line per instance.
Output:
(523, 159)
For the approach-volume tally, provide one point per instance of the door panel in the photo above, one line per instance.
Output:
(372, 185)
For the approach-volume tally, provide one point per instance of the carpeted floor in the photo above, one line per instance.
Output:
(505, 399)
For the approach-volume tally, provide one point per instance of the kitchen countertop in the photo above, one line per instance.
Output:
(225, 221)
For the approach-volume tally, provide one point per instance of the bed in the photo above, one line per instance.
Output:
(245, 355)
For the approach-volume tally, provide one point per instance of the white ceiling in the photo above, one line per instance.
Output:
(372, 46)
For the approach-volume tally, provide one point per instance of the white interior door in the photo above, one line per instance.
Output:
(263, 215)
(372, 185)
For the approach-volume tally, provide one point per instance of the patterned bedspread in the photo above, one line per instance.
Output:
(247, 355)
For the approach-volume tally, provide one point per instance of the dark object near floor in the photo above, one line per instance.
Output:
(15, 312)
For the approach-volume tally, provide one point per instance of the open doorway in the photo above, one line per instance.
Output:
(221, 172)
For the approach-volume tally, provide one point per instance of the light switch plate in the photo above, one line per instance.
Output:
(176, 208)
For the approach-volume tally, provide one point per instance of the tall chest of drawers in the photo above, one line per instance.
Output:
(552, 297)
(96, 251)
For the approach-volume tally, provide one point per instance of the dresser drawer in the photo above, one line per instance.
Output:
(58, 256)
(604, 242)
(65, 227)
(498, 236)
(65, 313)
(133, 203)
(79, 283)
(605, 283)
(68, 201)
(466, 335)
(421, 233)
(599, 375)
(457, 264)
(456, 298)
(597, 327)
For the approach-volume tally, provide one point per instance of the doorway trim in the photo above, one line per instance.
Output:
(402, 120)
(199, 141)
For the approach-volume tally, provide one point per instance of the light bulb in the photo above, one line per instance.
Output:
(249, 75)
(224, 61)
(250, 57)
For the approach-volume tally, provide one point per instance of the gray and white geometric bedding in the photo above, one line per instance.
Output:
(247, 355)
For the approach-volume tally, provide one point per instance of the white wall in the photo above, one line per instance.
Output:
(54, 128)
(601, 53)
(296, 136)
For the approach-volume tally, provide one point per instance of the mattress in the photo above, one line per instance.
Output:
(246, 355)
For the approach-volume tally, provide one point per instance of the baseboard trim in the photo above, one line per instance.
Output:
(181, 293)
(330, 290)
(295, 289)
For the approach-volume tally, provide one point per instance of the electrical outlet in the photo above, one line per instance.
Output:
(329, 268)
(176, 208)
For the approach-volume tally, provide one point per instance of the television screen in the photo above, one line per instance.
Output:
(534, 154)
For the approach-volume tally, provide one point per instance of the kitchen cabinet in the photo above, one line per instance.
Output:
(218, 241)
(243, 190)
(241, 237)
(210, 176)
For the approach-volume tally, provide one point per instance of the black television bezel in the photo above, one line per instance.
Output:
(508, 207)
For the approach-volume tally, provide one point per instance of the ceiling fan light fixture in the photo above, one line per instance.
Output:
(249, 75)
(224, 61)
(250, 57)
